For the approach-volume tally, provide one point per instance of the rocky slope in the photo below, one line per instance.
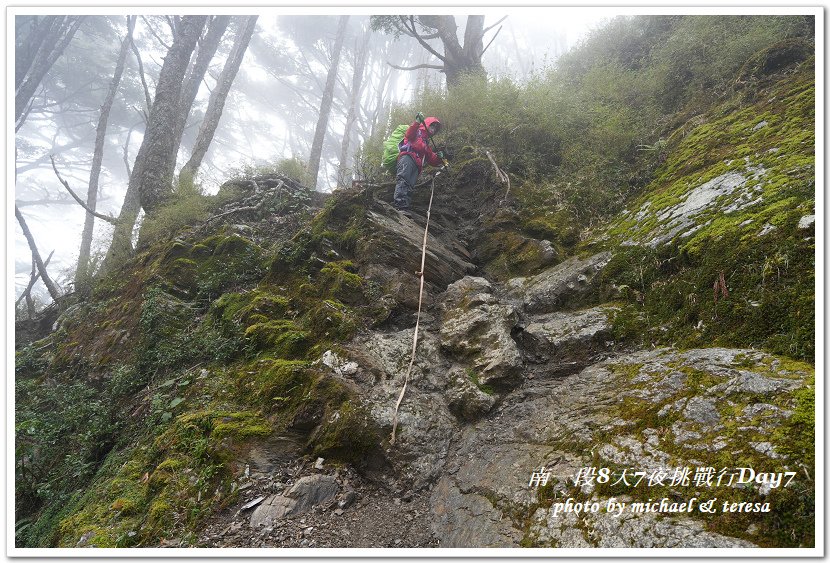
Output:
(257, 361)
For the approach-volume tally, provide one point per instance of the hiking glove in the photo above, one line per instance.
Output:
(420, 117)
(441, 155)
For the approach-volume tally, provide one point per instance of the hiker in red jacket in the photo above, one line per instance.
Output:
(414, 151)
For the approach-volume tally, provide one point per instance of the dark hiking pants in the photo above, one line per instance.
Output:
(406, 176)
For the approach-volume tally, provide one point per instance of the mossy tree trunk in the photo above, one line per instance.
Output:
(151, 179)
(156, 159)
(204, 54)
(457, 59)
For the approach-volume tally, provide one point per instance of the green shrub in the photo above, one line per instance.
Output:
(294, 168)
(187, 206)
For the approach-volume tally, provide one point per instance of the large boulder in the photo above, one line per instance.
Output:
(567, 285)
(395, 243)
(568, 338)
(426, 426)
(476, 329)
(306, 493)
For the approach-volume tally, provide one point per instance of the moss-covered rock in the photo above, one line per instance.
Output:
(348, 434)
(282, 338)
(716, 245)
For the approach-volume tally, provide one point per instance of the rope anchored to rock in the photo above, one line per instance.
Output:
(418, 316)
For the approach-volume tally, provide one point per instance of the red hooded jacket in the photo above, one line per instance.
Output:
(415, 142)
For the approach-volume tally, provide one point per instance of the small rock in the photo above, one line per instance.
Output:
(806, 222)
(767, 229)
(339, 511)
(319, 463)
(348, 498)
(253, 503)
(85, 539)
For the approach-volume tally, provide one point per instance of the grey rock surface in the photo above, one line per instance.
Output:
(567, 284)
(397, 243)
(309, 491)
(568, 336)
(476, 330)
(594, 418)
(727, 192)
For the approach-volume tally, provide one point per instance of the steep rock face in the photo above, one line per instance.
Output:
(539, 375)
(597, 419)
(396, 240)
(650, 411)
(568, 338)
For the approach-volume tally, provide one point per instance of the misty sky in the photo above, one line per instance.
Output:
(540, 33)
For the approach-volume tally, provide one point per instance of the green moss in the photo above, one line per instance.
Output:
(348, 434)
(791, 521)
(273, 384)
(487, 389)
(339, 281)
(241, 426)
(797, 439)
(243, 309)
(280, 337)
(211, 265)
(331, 321)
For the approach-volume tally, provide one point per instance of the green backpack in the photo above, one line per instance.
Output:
(391, 148)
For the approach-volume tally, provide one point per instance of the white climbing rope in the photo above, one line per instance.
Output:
(418, 316)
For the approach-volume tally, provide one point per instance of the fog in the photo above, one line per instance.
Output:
(270, 113)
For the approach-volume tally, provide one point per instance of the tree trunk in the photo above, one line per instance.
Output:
(156, 158)
(121, 247)
(217, 98)
(82, 272)
(206, 51)
(47, 281)
(462, 60)
(325, 104)
(152, 174)
(354, 105)
(45, 43)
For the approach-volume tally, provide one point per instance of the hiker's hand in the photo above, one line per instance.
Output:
(441, 155)
(420, 117)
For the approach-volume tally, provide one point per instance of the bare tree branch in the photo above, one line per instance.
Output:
(416, 67)
(43, 201)
(32, 281)
(147, 97)
(491, 41)
(106, 218)
(486, 29)
(404, 28)
(410, 25)
(50, 285)
(154, 34)
(127, 149)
